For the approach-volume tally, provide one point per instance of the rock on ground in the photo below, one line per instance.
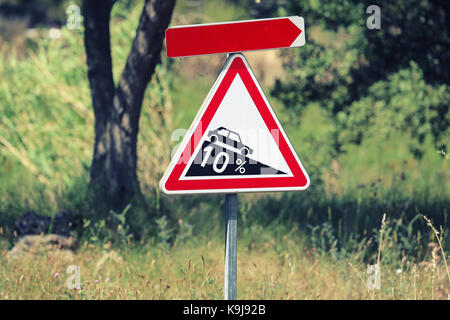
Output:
(38, 244)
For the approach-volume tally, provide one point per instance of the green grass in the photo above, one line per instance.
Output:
(271, 265)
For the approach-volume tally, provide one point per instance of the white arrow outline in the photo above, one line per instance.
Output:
(299, 23)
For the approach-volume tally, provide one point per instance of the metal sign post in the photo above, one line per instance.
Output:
(235, 143)
(230, 246)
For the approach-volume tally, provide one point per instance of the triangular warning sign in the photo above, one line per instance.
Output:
(236, 143)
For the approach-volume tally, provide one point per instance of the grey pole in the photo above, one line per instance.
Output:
(230, 246)
(230, 277)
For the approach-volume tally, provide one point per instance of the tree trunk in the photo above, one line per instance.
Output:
(117, 110)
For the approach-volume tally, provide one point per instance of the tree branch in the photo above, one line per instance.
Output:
(141, 62)
(98, 54)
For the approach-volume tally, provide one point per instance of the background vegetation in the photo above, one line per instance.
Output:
(366, 110)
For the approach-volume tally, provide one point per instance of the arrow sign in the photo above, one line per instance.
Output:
(237, 36)
(236, 143)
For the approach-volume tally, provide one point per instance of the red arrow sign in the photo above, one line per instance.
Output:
(237, 36)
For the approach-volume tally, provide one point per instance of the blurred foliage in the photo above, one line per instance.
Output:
(318, 73)
(37, 12)
(374, 81)
(368, 111)
(328, 14)
(46, 127)
(367, 131)
(402, 102)
(411, 30)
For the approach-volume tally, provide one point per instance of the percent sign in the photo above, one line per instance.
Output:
(240, 167)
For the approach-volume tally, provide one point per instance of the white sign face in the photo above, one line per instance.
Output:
(236, 143)
(238, 119)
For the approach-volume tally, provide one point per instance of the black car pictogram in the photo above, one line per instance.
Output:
(229, 138)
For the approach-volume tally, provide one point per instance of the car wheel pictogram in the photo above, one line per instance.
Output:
(213, 138)
(244, 151)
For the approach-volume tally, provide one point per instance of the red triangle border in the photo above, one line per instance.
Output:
(171, 184)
